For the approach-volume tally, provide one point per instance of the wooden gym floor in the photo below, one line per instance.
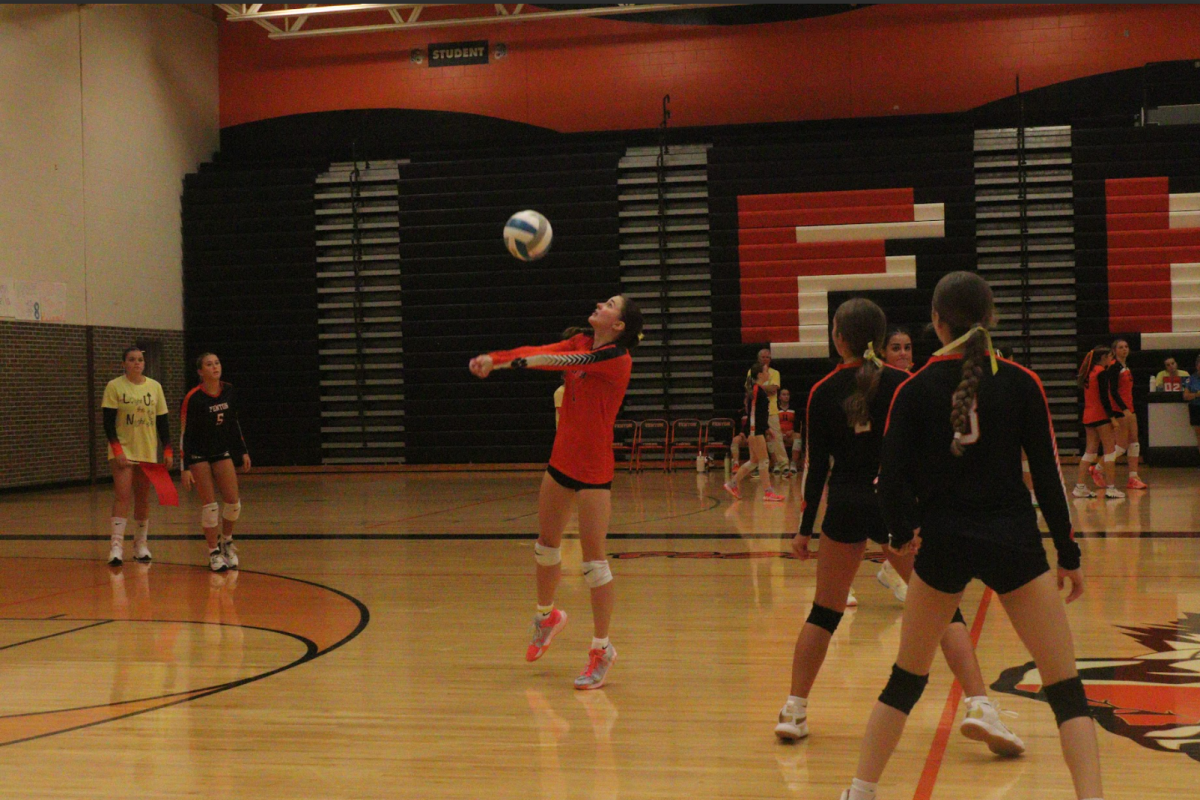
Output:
(373, 645)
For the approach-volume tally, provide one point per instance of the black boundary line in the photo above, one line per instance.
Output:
(311, 653)
(52, 635)
(42, 537)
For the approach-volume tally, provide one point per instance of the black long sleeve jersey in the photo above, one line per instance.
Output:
(980, 494)
(757, 410)
(855, 451)
(210, 425)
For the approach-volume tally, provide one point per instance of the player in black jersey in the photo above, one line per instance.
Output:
(756, 430)
(210, 445)
(950, 489)
(847, 412)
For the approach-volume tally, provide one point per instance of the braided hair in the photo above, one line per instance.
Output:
(962, 301)
(861, 325)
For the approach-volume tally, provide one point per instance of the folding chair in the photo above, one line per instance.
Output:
(685, 436)
(652, 438)
(625, 440)
(718, 437)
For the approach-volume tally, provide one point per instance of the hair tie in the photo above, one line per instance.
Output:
(872, 356)
(987, 340)
(641, 336)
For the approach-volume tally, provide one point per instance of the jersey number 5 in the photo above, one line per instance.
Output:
(971, 436)
(221, 418)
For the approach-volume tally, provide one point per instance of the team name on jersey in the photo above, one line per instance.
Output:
(219, 407)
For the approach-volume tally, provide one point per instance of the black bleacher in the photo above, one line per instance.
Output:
(465, 295)
(249, 283)
(933, 156)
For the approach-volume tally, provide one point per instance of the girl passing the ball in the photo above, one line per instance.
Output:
(597, 366)
(211, 444)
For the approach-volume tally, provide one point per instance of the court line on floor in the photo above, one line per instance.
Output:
(188, 537)
(933, 762)
(58, 633)
(451, 510)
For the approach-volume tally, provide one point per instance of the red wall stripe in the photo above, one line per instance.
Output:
(1121, 187)
(1159, 322)
(825, 216)
(1140, 290)
(1129, 256)
(1139, 222)
(1141, 248)
(782, 333)
(870, 248)
(1138, 203)
(794, 269)
(1176, 237)
(1139, 273)
(816, 200)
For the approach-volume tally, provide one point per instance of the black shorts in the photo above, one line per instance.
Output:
(198, 458)
(568, 482)
(1100, 423)
(852, 516)
(1194, 415)
(949, 562)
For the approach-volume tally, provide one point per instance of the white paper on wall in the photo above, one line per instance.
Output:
(39, 301)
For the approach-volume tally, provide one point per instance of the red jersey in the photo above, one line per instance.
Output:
(787, 420)
(595, 381)
(1097, 397)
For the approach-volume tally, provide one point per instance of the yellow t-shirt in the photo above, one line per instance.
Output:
(1160, 380)
(138, 407)
(558, 398)
(772, 380)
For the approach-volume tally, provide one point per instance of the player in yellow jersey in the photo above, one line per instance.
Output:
(135, 422)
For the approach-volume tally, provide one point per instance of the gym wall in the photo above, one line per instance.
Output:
(105, 109)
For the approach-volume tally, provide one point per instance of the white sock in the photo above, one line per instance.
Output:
(545, 611)
(118, 528)
(1133, 474)
(861, 790)
(798, 702)
(142, 529)
(599, 644)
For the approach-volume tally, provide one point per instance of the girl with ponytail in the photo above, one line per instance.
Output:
(951, 492)
(847, 414)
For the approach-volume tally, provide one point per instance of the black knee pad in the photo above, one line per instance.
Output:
(1067, 700)
(903, 690)
(824, 617)
(958, 617)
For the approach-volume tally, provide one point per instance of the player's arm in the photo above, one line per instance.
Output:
(1114, 383)
(816, 462)
(1103, 386)
(898, 465)
(1037, 439)
(602, 361)
(237, 445)
(162, 424)
(109, 413)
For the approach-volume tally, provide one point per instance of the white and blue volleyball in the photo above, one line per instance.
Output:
(527, 235)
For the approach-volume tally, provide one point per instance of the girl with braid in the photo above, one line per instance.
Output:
(135, 422)
(847, 413)
(596, 367)
(951, 491)
(1098, 415)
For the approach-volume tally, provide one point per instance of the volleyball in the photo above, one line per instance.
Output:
(527, 235)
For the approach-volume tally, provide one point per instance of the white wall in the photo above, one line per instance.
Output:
(103, 110)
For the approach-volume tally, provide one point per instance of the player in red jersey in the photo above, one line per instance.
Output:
(950, 491)
(597, 368)
(1127, 425)
(211, 444)
(1098, 415)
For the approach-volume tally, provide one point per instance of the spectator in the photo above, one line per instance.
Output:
(791, 437)
(1171, 379)
(1191, 393)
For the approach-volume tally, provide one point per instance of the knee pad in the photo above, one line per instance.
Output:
(1089, 458)
(1117, 451)
(596, 573)
(958, 617)
(546, 556)
(903, 690)
(209, 515)
(232, 511)
(1067, 700)
(1135, 449)
(1110, 458)
(824, 617)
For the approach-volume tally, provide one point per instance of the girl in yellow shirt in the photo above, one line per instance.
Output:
(135, 421)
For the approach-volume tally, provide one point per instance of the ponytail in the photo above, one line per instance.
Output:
(975, 353)
(866, 382)
(1090, 360)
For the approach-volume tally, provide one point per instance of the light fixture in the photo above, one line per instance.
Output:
(500, 51)
(417, 56)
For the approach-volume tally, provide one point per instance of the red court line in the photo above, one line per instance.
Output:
(933, 762)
